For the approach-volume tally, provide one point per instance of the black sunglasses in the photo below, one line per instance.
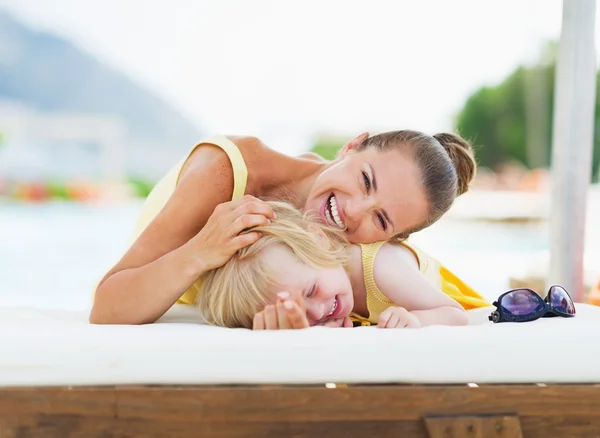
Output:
(522, 305)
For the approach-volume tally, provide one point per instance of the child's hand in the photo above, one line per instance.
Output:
(345, 322)
(398, 317)
(285, 314)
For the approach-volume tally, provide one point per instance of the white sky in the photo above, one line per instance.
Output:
(273, 68)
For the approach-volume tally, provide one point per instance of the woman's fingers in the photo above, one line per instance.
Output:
(235, 203)
(243, 240)
(252, 205)
(246, 221)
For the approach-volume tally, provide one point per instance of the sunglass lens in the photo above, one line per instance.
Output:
(521, 302)
(561, 301)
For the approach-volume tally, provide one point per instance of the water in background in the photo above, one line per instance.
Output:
(51, 255)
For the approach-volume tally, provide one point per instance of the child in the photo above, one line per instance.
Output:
(327, 282)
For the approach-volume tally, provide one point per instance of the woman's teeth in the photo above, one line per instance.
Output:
(333, 214)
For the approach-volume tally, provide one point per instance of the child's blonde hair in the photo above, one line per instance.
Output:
(231, 295)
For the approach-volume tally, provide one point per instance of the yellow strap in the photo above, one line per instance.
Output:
(240, 171)
(376, 301)
(240, 178)
(369, 252)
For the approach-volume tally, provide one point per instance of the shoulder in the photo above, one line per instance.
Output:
(395, 270)
(212, 160)
(209, 154)
(394, 254)
(313, 157)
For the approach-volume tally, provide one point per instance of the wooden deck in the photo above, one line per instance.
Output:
(302, 411)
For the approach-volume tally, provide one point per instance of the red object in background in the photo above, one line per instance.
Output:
(32, 192)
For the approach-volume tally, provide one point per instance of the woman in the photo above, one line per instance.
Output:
(383, 187)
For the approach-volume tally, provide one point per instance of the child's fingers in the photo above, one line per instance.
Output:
(258, 323)
(297, 316)
(394, 321)
(348, 323)
(282, 296)
(282, 316)
(333, 323)
(383, 318)
(270, 317)
(301, 303)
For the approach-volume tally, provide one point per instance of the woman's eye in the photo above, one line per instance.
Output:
(382, 222)
(311, 291)
(366, 181)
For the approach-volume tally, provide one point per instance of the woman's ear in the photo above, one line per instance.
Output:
(321, 237)
(354, 143)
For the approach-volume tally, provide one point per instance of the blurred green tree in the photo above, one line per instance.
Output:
(512, 121)
(328, 147)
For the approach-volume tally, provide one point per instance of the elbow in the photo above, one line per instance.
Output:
(102, 316)
(103, 312)
(99, 313)
(95, 318)
(459, 317)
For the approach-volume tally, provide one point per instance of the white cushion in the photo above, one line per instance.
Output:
(47, 347)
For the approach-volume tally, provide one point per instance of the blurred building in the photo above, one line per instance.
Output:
(40, 145)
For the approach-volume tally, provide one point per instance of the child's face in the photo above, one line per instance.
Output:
(327, 292)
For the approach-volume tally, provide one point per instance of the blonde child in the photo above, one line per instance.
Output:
(300, 274)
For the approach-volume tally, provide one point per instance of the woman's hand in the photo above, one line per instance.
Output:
(285, 314)
(220, 238)
(398, 317)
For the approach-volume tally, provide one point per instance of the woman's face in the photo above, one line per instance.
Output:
(373, 195)
(326, 292)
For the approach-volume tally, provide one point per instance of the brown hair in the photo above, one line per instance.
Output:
(446, 161)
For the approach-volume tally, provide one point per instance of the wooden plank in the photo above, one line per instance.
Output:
(278, 429)
(63, 426)
(464, 426)
(58, 426)
(251, 411)
(386, 403)
(89, 401)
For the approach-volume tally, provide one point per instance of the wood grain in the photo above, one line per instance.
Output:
(298, 411)
(469, 426)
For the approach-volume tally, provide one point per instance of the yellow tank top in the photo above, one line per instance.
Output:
(433, 271)
(163, 190)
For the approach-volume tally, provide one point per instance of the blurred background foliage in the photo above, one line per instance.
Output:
(508, 122)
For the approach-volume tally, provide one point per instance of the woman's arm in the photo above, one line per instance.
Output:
(398, 277)
(176, 248)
